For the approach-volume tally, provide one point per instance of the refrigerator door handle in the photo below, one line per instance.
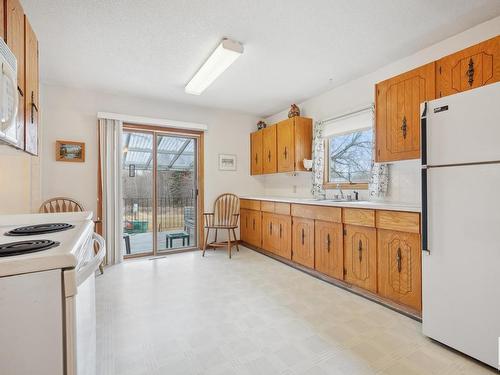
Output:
(423, 155)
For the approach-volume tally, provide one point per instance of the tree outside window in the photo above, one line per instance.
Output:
(350, 156)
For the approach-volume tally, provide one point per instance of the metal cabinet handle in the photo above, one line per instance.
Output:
(303, 235)
(246, 222)
(33, 107)
(398, 259)
(271, 229)
(404, 127)
(360, 250)
(281, 230)
(256, 158)
(253, 224)
(286, 152)
(328, 242)
(269, 155)
(470, 72)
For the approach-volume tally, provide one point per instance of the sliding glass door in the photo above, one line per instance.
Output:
(176, 192)
(160, 191)
(137, 189)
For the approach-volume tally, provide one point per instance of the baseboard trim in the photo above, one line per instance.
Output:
(410, 313)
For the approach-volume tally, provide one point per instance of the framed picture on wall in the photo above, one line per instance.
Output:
(70, 151)
(227, 162)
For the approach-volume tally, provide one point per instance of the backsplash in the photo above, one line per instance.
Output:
(404, 184)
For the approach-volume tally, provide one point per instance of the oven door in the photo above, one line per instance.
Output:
(81, 313)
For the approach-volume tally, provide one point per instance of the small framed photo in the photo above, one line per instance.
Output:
(70, 151)
(227, 162)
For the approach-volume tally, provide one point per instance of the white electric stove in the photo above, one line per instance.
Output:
(47, 293)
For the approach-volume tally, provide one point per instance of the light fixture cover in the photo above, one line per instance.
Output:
(220, 59)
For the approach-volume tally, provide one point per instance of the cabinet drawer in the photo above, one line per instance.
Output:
(332, 214)
(400, 221)
(282, 208)
(267, 206)
(250, 204)
(356, 216)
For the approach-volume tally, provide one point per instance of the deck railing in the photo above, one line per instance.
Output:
(172, 213)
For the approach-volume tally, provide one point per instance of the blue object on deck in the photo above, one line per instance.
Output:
(170, 237)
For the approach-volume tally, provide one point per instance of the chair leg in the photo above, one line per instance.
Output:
(236, 240)
(205, 243)
(229, 243)
(215, 240)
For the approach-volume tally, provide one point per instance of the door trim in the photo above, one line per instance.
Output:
(200, 180)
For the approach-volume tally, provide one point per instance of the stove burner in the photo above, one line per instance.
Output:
(32, 230)
(25, 247)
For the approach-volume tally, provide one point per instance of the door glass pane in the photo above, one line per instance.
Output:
(137, 185)
(176, 192)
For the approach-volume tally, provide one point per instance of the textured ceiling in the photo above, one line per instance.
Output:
(293, 49)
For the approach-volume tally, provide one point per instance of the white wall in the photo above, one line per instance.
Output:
(70, 114)
(405, 176)
(19, 181)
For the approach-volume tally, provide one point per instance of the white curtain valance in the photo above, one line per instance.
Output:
(140, 120)
(361, 119)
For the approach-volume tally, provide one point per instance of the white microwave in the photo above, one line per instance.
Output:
(9, 99)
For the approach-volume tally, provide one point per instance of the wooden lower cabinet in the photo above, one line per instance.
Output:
(270, 233)
(360, 256)
(329, 251)
(303, 241)
(399, 267)
(250, 227)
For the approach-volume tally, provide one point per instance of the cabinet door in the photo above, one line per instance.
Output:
(286, 149)
(303, 141)
(285, 235)
(31, 107)
(269, 162)
(255, 225)
(472, 67)
(270, 233)
(14, 15)
(244, 232)
(399, 267)
(329, 251)
(303, 241)
(256, 151)
(398, 113)
(360, 256)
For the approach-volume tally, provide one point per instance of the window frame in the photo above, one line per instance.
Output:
(326, 167)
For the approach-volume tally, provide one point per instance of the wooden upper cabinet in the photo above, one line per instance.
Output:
(399, 270)
(303, 241)
(329, 251)
(360, 256)
(14, 37)
(269, 162)
(294, 143)
(472, 67)
(2, 18)
(398, 113)
(256, 151)
(32, 104)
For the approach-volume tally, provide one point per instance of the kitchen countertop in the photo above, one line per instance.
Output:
(375, 205)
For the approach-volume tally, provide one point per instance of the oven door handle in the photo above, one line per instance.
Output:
(91, 266)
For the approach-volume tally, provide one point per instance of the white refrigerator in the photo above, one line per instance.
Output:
(461, 222)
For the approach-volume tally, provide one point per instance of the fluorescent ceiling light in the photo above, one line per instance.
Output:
(220, 59)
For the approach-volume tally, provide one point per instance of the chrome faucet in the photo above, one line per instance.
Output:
(341, 191)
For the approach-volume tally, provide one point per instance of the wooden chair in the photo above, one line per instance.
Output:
(225, 217)
(62, 204)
